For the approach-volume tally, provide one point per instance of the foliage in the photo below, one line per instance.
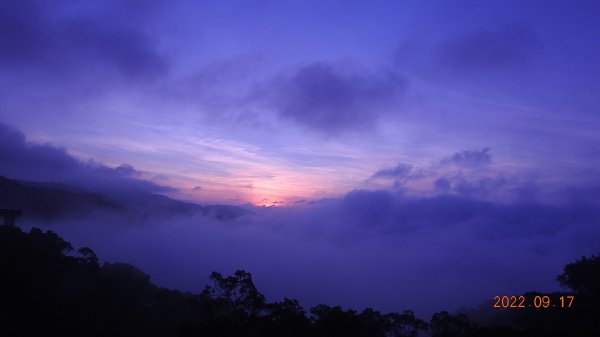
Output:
(582, 276)
(47, 290)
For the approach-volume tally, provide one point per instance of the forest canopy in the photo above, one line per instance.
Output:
(48, 288)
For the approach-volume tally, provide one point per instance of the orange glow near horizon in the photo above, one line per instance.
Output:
(267, 193)
(273, 190)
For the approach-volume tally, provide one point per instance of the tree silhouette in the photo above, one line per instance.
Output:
(444, 324)
(47, 290)
(88, 256)
(404, 325)
(582, 276)
(231, 306)
(334, 321)
(236, 295)
(285, 319)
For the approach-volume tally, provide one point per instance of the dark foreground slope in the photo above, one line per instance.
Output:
(46, 289)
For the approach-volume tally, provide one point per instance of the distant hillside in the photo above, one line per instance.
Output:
(51, 202)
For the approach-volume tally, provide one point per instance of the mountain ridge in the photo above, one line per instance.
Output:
(51, 202)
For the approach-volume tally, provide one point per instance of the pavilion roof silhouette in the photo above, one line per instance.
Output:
(10, 215)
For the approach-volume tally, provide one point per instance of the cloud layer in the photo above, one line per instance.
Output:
(366, 248)
(375, 247)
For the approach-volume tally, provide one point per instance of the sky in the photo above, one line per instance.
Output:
(385, 120)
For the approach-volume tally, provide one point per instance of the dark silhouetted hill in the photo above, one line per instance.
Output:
(51, 202)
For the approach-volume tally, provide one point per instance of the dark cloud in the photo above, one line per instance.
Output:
(442, 185)
(329, 100)
(393, 212)
(466, 173)
(368, 208)
(488, 49)
(480, 187)
(399, 171)
(20, 159)
(197, 188)
(469, 158)
(37, 35)
(583, 194)
(477, 187)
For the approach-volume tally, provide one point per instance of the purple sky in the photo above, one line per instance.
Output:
(262, 101)
(474, 121)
